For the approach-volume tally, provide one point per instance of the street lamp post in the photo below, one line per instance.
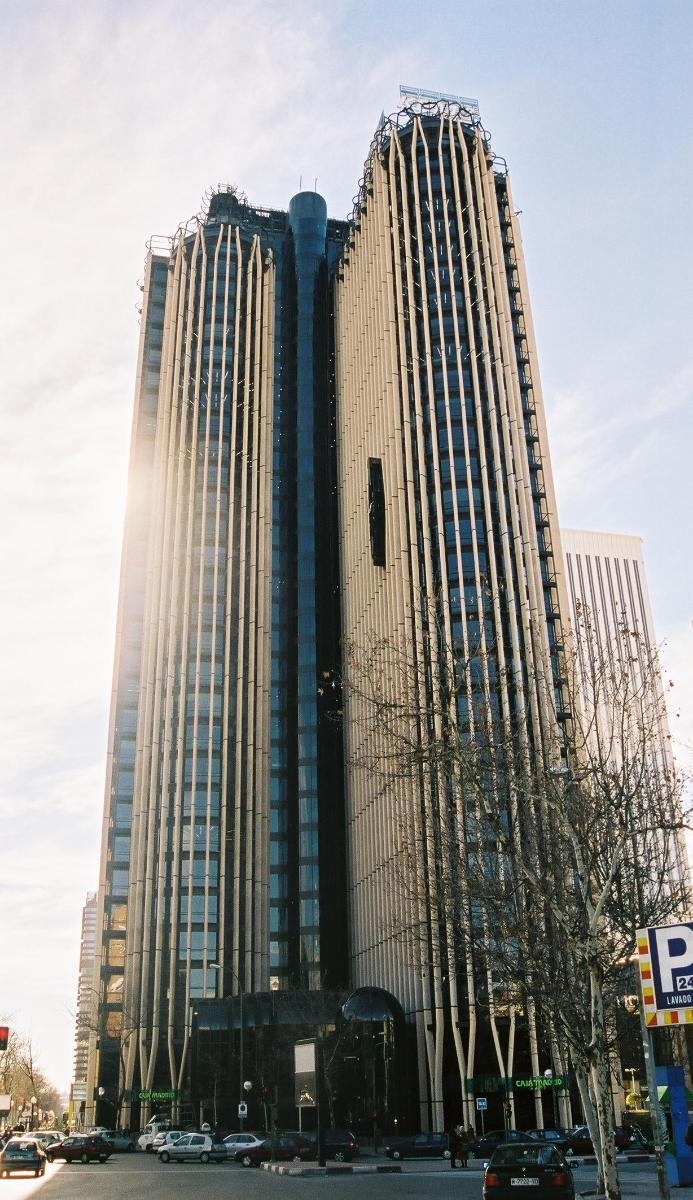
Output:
(548, 1074)
(33, 1102)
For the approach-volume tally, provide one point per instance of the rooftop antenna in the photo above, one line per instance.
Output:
(315, 185)
(300, 182)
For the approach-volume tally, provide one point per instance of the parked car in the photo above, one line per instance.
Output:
(484, 1145)
(287, 1148)
(167, 1137)
(557, 1137)
(46, 1136)
(80, 1147)
(423, 1145)
(22, 1154)
(193, 1147)
(536, 1165)
(120, 1141)
(581, 1142)
(239, 1141)
(340, 1144)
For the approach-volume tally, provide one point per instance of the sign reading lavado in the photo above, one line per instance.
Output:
(665, 958)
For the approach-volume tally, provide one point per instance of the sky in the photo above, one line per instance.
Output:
(117, 117)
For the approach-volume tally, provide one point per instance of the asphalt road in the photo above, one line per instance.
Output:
(135, 1176)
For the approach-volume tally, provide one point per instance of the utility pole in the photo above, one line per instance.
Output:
(659, 1125)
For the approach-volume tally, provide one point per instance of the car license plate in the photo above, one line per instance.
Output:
(525, 1181)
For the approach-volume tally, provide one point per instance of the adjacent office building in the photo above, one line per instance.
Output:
(86, 1008)
(334, 423)
(611, 616)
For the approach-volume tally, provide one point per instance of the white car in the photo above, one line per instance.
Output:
(167, 1137)
(193, 1147)
(240, 1141)
(46, 1136)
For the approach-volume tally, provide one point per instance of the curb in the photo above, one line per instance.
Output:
(365, 1169)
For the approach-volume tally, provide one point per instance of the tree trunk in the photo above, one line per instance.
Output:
(602, 1083)
(582, 1077)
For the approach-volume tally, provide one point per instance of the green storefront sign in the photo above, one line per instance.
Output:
(157, 1095)
(482, 1084)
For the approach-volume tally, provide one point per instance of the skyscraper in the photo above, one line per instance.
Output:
(334, 423)
(86, 1007)
(612, 619)
(222, 861)
(448, 533)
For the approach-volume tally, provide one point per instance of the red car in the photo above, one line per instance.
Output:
(288, 1147)
(83, 1147)
(580, 1142)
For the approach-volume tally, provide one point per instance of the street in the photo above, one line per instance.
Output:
(133, 1176)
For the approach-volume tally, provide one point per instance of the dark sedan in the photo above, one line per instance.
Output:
(557, 1137)
(84, 1148)
(483, 1146)
(22, 1154)
(288, 1147)
(535, 1166)
(340, 1144)
(423, 1145)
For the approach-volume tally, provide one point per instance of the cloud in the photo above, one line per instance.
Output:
(605, 438)
(677, 657)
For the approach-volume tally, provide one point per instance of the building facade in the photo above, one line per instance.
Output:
(86, 1008)
(338, 436)
(611, 617)
(448, 540)
(222, 854)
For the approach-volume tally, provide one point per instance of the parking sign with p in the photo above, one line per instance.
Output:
(665, 957)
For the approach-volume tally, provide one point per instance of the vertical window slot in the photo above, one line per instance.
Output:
(376, 511)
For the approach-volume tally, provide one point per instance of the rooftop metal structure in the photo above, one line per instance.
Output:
(413, 93)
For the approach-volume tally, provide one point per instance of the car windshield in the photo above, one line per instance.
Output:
(517, 1156)
(18, 1149)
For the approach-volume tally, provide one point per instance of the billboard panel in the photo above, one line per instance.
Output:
(665, 958)
(305, 1089)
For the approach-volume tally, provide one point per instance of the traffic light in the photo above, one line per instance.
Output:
(4, 1037)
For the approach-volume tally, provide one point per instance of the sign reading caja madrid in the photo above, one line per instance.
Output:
(665, 957)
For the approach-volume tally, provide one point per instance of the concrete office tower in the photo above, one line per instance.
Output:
(222, 852)
(448, 528)
(605, 575)
(86, 1006)
(607, 589)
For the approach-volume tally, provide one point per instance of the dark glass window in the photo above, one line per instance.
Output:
(376, 510)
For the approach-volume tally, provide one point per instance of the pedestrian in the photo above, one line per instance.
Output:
(463, 1152)
(455, 1146)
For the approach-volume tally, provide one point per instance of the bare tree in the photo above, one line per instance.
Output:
(23, 1078)
(539, 856)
